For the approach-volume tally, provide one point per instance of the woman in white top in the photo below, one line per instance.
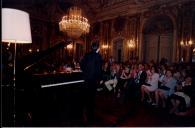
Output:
(166, 89)
(151, 84)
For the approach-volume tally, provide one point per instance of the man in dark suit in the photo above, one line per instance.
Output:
(91, 65)
(141, 76)
(139, 80)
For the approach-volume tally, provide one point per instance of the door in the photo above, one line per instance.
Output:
(118, 51)
(158, 47)
(158, 38)
(166, 46)
(151, 47)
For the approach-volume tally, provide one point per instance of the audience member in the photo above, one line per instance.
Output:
(181, 99)
(151, 85)
(166, 89)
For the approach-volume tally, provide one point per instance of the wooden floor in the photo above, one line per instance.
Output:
(63, 111)
(116, 112)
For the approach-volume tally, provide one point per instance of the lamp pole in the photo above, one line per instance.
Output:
(14, 85)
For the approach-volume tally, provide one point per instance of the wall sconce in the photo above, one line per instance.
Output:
(70, 46)
(131, 46)
(186, 43)
(131, 43)
(105, 46)
(105, 50)
(69, 49)
(186, 50)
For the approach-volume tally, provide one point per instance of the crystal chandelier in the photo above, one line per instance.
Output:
(74, 24)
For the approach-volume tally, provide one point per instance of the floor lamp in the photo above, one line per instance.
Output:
(16, 30)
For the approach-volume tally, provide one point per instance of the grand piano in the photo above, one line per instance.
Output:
(43, 95)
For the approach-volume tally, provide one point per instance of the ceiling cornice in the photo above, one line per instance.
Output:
(126, 9)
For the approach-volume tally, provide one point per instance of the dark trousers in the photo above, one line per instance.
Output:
(89, 100)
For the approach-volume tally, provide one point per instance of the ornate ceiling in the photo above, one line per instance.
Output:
(95, 10)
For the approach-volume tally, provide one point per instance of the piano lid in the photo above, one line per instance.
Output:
(31, 60)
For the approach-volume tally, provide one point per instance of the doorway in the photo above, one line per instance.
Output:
(118, 50)
(158, 39)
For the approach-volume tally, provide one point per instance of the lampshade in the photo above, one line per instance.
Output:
(15, 26)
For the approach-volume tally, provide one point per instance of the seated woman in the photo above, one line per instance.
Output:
(181, 99)
(166, 89)
(162, 73)
(123, 80)
(151, 84)
(133, 71)
(112, 81)
(105, 75)
(124, 77)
